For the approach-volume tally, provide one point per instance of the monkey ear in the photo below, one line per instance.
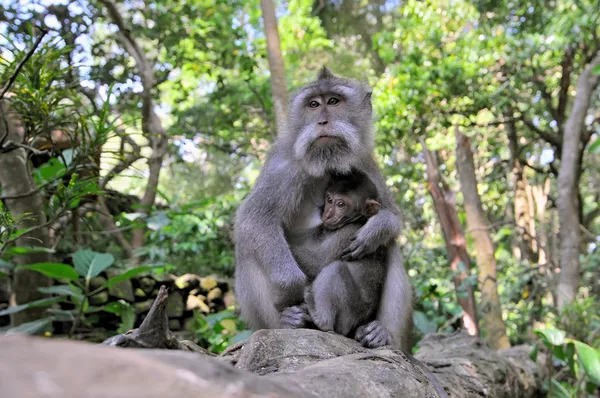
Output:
(325, 74)
(371, 207)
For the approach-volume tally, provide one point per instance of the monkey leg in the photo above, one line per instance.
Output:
(253, 290)
(330, 299)
(395, 313)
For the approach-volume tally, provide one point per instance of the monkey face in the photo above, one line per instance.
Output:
(329, 124)
(338, 211)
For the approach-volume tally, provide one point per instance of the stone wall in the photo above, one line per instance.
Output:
(187, 293)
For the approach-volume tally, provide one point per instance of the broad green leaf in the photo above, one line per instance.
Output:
(53, 270)
(590, 359)
(46, 302)
(424, 324)
(61, 290)
(596, 70)
(229, 324)
(130, 274)
(552, 336)
(31, 327)
(534, 353)
(90, 264)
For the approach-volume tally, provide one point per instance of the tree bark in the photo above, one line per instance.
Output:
(522, 244)
(479, 226)
(276, 65)
(445, 207)
(26, 207)
(151, 125)
(568, 186)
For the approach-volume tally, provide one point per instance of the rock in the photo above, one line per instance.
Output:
(175, 305)
(174, 324)
(208, 283)
(99, 298)
(122, 290)
(143, 306)
(214, 294)
(187, 281)
(189, 325)
(42, 368)
(229, 299)
(139, 293)
(297, 363)
(147, 284)
(96, 282)
(197, 302)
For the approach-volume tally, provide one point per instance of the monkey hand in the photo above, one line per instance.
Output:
(288, 284)
(361, 245)
(295, 317)
(372, 335)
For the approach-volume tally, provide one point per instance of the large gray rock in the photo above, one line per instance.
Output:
(271, 363)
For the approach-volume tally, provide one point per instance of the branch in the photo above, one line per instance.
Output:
(23, 61)
(565, 82)
(547, 136)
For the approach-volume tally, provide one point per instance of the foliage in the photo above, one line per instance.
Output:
(74, 290)
(582, 360)
(218, 331)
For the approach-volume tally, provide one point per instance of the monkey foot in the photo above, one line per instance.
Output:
(372, 335)
(295, 317)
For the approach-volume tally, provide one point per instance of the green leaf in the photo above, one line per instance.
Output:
(424, 324)
(596, 70)
(31, 327)
(62, 315)
(534, 353)
(46, 302)
(20, 251)
(551, 336)
(53, 270)
(594, 146)
(558, 391)
(130, 274)
(90, 264)
(61, 290)
(590, 359)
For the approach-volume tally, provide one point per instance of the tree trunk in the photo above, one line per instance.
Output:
(276, 65)
(540, 196)
(27, 207)
(445, 207)
(522, 245)
(568, 186)
(479, 226)
(151, 125)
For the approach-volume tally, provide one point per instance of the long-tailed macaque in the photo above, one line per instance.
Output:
(329, 133)
(344, 294)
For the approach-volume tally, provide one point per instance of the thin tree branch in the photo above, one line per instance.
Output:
(23, 61)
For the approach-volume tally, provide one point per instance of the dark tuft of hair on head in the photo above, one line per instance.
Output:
(325, 74)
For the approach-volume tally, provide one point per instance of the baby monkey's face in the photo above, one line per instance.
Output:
(338, 210)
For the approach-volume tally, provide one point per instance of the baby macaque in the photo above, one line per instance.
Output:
(344, 294)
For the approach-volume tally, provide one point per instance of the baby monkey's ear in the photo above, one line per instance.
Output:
(371, 207)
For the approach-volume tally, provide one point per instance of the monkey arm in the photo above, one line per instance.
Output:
(259, 235)
(380, 229)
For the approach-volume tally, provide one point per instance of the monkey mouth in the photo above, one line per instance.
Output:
(325, 139)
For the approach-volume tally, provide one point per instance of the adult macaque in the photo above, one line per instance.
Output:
(345, 294)
(329, 133)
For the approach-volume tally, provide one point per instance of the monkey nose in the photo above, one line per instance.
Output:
(323, 122)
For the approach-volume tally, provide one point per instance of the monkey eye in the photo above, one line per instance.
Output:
(329, 200)
(313, 104)
(333, 101)
(340, 204)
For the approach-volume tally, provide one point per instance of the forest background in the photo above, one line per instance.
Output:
(144, 124)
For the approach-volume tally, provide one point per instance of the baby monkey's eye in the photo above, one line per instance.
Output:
(328, 198)
(313, 104)
(333, 101)
(340, 204)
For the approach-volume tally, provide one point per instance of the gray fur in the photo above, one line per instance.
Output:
(286, 200)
